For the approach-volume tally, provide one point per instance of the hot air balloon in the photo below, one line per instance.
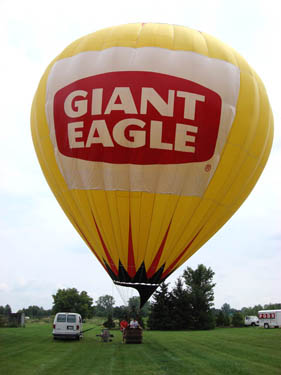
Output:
(150, 136)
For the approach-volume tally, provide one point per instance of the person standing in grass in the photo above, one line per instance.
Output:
(123, 325)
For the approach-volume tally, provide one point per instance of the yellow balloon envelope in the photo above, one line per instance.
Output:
(150, 136)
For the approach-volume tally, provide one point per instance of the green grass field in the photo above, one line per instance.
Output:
(32, 350)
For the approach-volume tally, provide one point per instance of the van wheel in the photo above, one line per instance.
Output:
(253, 325)
(266, 325)
(78, 337)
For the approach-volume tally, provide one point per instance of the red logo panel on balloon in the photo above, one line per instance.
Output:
(137, 117)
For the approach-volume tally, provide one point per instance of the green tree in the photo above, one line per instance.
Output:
(160, 314)
(226, 320)
(181, 308)
(145, 310)
(272, 306)
(237, 319)
(109, 323)
(134, 303)
(70, 300)
(252, 310)
(199, 285)
(7, 310)
(105, 305)
(35, 312)
(226, 309)
(121, 312)
(134, 307)
(220, 319)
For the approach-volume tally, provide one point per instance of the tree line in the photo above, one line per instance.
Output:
(227, 315)
(188, 305)
(31, 311)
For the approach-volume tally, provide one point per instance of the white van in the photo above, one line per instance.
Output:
(251, 320)
(67, 326)
(270, 318)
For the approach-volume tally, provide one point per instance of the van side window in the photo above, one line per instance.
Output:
(71, 318)
(61, 318)
(80, 320)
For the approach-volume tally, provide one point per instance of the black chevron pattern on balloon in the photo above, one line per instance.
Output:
(140, 278)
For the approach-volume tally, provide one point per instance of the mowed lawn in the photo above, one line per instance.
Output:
(32, 350)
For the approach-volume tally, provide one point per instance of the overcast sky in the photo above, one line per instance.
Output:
(40, 250)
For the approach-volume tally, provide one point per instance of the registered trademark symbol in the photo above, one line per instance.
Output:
(208, 167)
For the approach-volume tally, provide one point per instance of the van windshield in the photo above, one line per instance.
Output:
(61, 318)
(71, 318)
